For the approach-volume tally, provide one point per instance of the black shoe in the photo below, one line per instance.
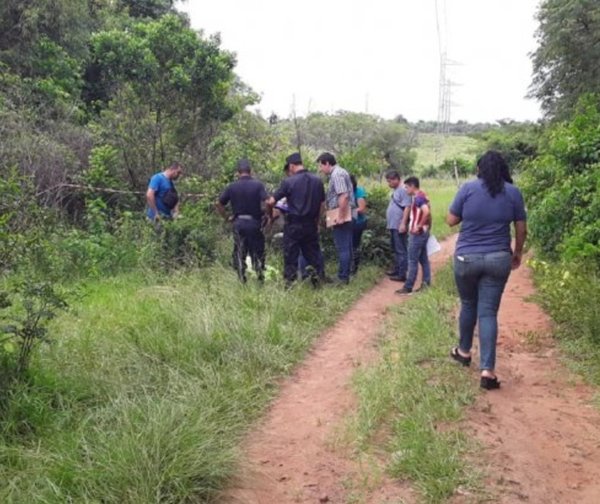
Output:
(465, 361)
(396, 278)
(404, 291)
(488, 383)
(391, 273)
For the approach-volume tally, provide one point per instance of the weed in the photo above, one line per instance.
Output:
(418, 405)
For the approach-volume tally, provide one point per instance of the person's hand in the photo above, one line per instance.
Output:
(402, 228)
(516, 260)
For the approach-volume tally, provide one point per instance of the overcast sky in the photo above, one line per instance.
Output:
(380, 56)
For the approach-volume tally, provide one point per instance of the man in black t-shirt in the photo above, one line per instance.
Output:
(305, 195)
(246, 196)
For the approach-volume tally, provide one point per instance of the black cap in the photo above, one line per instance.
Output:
(243, 165)
(294, 158)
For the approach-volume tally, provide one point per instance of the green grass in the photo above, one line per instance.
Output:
(151, 383)
(453, 146)
(411, 403)
(440, 193)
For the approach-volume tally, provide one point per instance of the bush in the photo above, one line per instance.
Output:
(562, 188)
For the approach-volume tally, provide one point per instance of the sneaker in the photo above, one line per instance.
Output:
(423, 287)
(391, 273)
(396, 278)
(404, 291)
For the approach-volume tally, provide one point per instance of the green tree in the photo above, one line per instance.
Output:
(566, 62)
(163, 89)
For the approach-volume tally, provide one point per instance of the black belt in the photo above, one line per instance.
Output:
(300, 218)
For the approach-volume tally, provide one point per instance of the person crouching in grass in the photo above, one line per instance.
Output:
(418, 229)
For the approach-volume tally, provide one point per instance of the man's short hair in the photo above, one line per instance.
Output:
(392, 174)
(412, 181)
(175, 165)
(294, 159)
(327, 158)
(243, 166)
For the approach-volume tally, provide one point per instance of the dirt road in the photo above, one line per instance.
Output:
(539, 435)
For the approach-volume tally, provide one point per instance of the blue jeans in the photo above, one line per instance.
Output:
(417, 254)
(399, 247)
(480, 279)
(342, 237)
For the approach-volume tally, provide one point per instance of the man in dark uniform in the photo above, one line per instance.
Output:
(246, 196)
(305, 196)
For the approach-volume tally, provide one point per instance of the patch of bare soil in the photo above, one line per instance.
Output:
(289, 458)
(540, 434)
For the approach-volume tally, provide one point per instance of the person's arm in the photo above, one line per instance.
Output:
(423, 217)
(343, 202)
(151, 201)
(404, 222)
(520, 236)
(452, 220)
(221, 202)
(362, 206)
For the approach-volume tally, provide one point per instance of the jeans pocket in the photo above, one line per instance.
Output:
(498, 264)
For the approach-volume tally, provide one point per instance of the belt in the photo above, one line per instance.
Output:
(245, 217)
(300, 218)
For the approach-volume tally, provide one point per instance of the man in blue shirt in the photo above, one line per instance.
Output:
(397, 215)
(161, 196)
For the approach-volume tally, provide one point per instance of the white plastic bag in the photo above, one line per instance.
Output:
(433, 246)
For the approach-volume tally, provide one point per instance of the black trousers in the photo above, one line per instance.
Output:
(300, 236)
(248, 239)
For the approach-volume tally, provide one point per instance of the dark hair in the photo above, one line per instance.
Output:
(494, 172)
(175, 165)
(353, 180)
(392, 174)
(327, 158)
(412, 181)
(243, 166)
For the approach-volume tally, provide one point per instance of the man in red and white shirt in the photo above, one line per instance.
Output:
(418, 228)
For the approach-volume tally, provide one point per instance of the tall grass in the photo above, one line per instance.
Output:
(412, 401)
(150, 384)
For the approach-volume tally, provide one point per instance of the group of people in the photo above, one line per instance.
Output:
(301, 200)
(484, 256)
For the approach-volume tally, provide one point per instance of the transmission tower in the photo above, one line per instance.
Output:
(445, 84)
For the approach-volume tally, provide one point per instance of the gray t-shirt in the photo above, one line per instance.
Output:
(485, 220)
(398, 202)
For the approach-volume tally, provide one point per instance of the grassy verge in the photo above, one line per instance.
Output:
(412, 401)
(570, 293)
(150, 384)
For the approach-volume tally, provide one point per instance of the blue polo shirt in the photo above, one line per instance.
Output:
(485, 225)
(160, 184)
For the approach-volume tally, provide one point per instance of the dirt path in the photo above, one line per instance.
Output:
(289, 459)
(540, 433)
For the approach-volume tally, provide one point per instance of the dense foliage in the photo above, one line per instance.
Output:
(566, 60)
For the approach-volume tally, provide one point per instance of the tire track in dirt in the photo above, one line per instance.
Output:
(540, 434)
(288, 458)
